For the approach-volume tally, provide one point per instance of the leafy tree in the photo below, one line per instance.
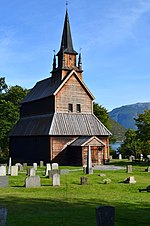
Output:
(3, 85)
(132, 145)
(143, 130)
(10, 100)
(102, 114)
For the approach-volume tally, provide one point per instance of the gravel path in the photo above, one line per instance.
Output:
(106, 167)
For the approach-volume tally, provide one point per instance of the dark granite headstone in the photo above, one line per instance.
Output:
(3, 182)
(105, 216)
(3, 216)
(84, 180)
(32, 182)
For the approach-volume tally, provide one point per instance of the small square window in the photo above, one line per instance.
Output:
(70, 107)
(78, 107)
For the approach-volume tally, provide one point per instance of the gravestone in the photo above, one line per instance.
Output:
(105, 216)
(32, 172)
(48, 167)
(14, 171)
(84, 180)
(32, 182)
(3, 216)
(129, 168)
(148, 169)
(52, 172)
(9, 166)
(56, 179)
(35, 165)
(4, 182)
(130, 180)
(120, 156)
(64, 171)
(41, 164)
(25, 164)
(20, 167)
(55, 166)
(2, 170)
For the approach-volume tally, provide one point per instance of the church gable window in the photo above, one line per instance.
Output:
(78, 108)
(70, 107)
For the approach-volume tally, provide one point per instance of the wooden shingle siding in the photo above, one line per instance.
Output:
(73, 92)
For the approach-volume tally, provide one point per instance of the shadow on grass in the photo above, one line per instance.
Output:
(69, 212)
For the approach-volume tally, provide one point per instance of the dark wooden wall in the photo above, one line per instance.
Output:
(30, 149)
(42, 106)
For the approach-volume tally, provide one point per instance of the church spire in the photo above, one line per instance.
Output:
(66, 41)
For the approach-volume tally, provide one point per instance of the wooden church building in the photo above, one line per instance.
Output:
(57, 123)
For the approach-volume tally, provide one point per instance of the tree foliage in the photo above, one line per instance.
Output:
(102, 114)
(10, 99)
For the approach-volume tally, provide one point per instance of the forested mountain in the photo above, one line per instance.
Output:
(117, 130)
(125, 115)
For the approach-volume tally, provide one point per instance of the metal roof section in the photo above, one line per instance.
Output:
(77, 124)
(32, 126)
(81, 82)
(42, 89)
(66, 42)
(84, 140)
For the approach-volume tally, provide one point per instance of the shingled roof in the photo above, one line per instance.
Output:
(60, 124)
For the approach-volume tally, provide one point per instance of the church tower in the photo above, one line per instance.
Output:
(67, 56)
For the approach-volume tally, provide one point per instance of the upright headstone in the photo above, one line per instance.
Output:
(130, 180)
(84, 180)
(41, 164)
(52, 172)
(120, 156)
(35, 165)
(32, 172)
(48, 167)
(56, 179)
(4, 182)
(2, 170)
(20, 167)
(129, 168)
(141, 157)
(105, 216)
(25, 164)
(148, 169)
(32, 182)
(55, 166)
(9, 166)
(14, 171)
(3, 216)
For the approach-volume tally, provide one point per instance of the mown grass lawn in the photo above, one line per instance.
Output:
(73, 204)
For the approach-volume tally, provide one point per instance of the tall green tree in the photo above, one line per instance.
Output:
(143, 130)
(132, 145)
(102, 114)
(10, 99)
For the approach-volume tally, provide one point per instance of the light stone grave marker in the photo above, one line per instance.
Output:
(64, 171)
(56, 179)
(105, 216)
(32, 172)
(55, 166)
(120, 156)
(32, 182)
(2, 170)
(48, 167)
(35, 165)
(9, 166)
(52, 172)
(129, 168)
(20, 167)
(14, 171)
(130, 180)
(41, 164)
(4, 182)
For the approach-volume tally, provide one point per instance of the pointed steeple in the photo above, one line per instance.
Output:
(66, 42)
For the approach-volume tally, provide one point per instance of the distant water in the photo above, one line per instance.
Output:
(116, 145)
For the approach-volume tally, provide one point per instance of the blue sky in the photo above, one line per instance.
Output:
(114, 36)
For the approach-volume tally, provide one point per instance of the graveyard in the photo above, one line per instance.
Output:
(71, 197)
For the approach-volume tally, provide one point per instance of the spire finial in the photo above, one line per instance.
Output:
(66, 4)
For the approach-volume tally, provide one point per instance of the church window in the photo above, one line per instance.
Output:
(70, 107)
(78, 107)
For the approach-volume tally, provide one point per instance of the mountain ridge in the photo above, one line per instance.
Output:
(125, 114)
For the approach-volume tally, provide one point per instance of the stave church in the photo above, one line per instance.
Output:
(56, 122)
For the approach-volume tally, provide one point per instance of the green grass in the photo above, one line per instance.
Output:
(73, 204)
